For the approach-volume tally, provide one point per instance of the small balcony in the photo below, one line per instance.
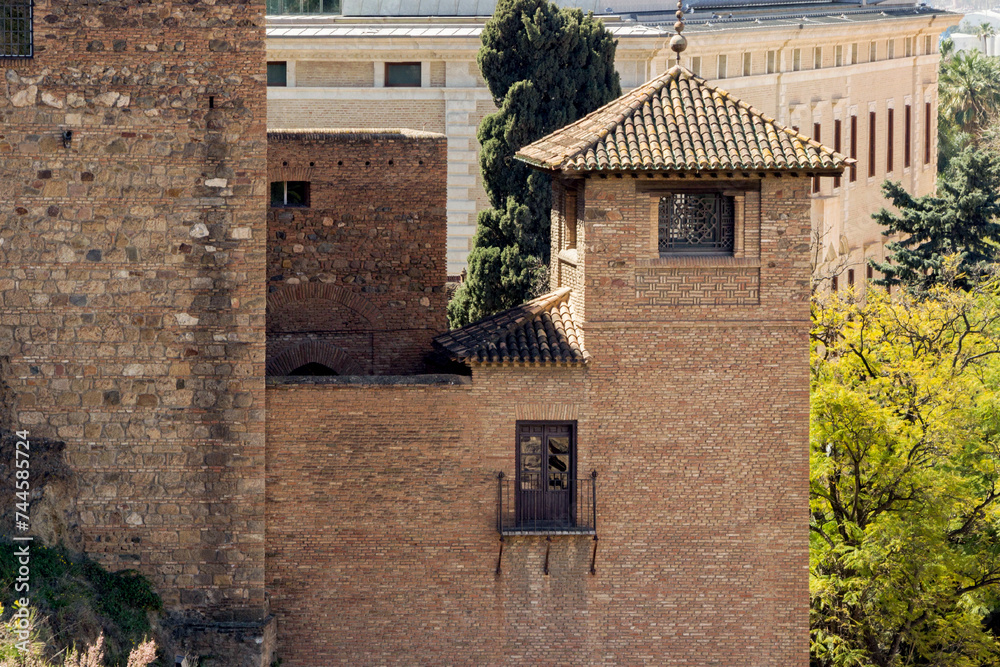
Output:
(546, 505)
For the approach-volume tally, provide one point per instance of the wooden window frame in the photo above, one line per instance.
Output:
(519, 490)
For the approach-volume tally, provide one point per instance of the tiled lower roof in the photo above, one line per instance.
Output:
(541, 331)
(677, 122)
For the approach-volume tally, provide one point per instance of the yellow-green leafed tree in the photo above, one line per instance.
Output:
(905, 479)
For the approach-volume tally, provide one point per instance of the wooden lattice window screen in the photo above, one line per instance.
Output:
(702, 223)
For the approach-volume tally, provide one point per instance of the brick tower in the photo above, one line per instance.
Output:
(132, 288)
(624, 478)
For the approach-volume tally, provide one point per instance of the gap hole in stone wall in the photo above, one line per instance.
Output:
(284, 164)
(390, 163)
(312, 164)
(368, 163)
(211, 102)
(340, 163)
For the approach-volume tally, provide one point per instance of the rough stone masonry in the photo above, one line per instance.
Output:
(132, 290)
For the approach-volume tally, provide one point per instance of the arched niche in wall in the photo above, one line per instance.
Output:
(312, 352)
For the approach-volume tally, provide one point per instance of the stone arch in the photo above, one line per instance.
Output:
(316, 351)
(289, 294)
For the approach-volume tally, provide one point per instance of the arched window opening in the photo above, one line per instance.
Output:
(313, 368)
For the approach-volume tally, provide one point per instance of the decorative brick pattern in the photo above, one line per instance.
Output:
(691, 287)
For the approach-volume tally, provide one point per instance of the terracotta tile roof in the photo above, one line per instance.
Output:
(539, 331)
(677, 122)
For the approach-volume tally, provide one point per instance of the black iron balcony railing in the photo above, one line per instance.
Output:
(546, 503)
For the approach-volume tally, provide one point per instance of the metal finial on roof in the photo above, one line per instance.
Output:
(678, 42)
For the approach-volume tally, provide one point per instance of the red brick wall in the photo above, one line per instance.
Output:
(695, 420)
(132, 282)
(362, 269)
(626, 279)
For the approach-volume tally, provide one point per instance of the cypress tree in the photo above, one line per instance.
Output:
(959, 219)
(545, 68)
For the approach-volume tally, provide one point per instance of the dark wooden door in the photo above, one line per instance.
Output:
(545, 475)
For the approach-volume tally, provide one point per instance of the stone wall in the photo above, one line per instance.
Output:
(356, 279)
(132, 286)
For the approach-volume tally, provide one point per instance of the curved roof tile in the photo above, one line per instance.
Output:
(540, 331)
(677, 122)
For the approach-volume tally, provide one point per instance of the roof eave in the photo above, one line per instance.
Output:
(711, 173)
(477, 363)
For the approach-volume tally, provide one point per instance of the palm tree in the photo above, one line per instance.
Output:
(984, 31)
(970, 91)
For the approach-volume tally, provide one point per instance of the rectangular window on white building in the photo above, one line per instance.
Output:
(796, 60)
(723, 67)
(696, 65)
(838, 56)
(854, 53)
(890, 51)
(928, 45)
(908, 47)
(402, 75)
(872, 52)
(818, 57)
(747, 63)
(772, 56)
